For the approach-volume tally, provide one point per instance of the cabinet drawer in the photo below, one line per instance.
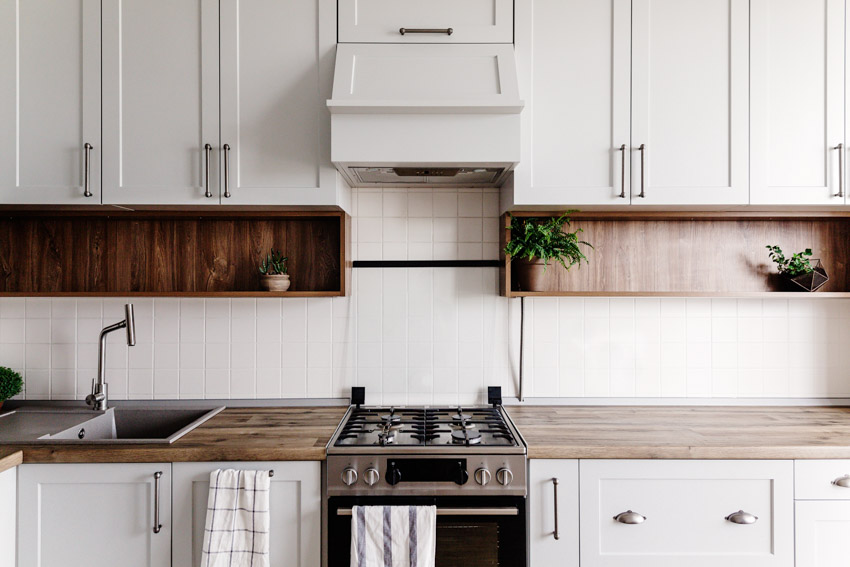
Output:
(685, 505)
(471, 21)
(813, 480)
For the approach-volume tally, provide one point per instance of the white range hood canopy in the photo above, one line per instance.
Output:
(425, 115)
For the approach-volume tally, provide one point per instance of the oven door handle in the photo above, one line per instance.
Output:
(457, 512)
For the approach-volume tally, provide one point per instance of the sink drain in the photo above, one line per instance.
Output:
(82, 433)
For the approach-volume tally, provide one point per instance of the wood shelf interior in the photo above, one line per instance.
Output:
(170, 254)
(682, 256)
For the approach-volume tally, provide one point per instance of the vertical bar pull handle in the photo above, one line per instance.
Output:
(840, 148)
(622, 173)
(226, 149)
(156, 525)
(87, 148)
(642, 150)
(557, 532)
(207, 152)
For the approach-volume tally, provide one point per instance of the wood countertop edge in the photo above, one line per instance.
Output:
(730, 453)
(11, 460)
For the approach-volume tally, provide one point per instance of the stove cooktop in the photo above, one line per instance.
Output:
(453, 428)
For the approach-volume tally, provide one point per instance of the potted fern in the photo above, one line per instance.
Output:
(274, 274)
(798, 269)
(11, 384)
(536, 242)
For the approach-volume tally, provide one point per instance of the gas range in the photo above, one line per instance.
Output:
(411, 451)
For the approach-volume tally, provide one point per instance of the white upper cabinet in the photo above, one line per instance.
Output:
(573, 59)
(798, 101)
(470, 21)
(690, 101)
(49, 102)
(160, 101)
(277, 62)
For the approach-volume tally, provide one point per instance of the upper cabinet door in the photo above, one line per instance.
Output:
(49, 102)
(470, 21)
(798, 101)
(690, 101)
(160, 101)
(277, 61)
(573, 58)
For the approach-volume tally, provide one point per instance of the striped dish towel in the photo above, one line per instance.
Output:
(236, 531)
(393, 536)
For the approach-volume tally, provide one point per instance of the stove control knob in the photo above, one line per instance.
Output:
(482, 476)
(349, 476)
(504, 476)
(371, 476)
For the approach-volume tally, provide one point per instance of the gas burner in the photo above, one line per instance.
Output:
(462, 425)
(460, 416)
(466, 437)
(391, 417)
(386, 437)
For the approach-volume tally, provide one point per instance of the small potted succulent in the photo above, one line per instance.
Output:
(274, 274)
(798, 269)
(535, 242)
(11, 384)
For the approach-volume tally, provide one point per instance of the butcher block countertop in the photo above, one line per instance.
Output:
(236, 434)
(680, 432)
(10, 459)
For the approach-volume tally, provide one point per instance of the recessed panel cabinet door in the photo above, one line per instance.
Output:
(93, 515)
(573, 58)
(821, 533)
(160, 101)
(49, 102)
(690, 101)
(553, 512)
(295, 505)
(277, 62)
(798, 101)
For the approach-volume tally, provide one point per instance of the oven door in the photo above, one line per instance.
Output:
(473, 532)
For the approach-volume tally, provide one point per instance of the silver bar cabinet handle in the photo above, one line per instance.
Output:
(840, 148)
(87, 148)
(642, 150)
(447, 31)
(557, 533)
(842, 481)
(629, 517)
(742, 518)
(226, 149)
(623, 172)
(207, 151)
(156, 525)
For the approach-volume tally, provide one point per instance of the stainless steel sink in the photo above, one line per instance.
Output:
(115, 425)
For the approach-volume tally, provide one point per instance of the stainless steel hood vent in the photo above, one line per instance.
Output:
(425, 115)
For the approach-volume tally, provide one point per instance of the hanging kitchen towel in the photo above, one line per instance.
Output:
(393, 536)
(236, 531)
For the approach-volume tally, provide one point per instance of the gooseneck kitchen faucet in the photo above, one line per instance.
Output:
(99, 398)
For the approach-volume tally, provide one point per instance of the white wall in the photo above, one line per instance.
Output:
(435, 335)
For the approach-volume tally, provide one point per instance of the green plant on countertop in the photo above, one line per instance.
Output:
(547, 240)
(274, 264)
(11, 383)
(797, 265)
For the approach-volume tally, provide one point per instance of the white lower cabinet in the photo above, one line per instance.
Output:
(672, 513)
(94, 515)
(553, 513)
(8, 511)
(295, 511)
(821, 533)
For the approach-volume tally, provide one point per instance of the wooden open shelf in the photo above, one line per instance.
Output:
(684, 254)
(176, 254)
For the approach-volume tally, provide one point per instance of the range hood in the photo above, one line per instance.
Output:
(417, 115)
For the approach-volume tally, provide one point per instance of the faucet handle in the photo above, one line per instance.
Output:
(97, 396)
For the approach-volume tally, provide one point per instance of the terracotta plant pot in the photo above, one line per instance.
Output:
(275, 283)
(530, 274)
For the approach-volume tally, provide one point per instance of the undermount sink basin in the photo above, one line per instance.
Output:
(115, 425)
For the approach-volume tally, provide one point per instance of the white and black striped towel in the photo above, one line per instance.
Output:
(393, 536)
(236, 532)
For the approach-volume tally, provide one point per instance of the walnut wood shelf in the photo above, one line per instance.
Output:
(687, 254)
(170, 254)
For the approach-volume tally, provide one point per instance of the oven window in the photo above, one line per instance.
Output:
(467, 543)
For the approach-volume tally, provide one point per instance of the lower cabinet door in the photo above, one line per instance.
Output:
(94, 515)
(295, 509)
(694, 513)
(8, 512)
(822, 529)
(553, 512)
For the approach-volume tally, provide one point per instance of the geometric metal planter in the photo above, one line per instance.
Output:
(812, 281)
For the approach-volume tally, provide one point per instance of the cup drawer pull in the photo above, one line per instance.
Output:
(842, 481)
(742, 518)
(629, 517)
